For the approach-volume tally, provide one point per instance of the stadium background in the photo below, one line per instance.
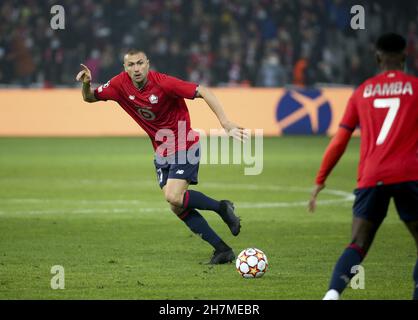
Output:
(91, 203)
(215, 42)
(292, 45)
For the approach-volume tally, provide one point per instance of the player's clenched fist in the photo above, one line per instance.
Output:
(84, 75)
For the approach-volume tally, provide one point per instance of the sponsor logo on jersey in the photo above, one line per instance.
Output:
(179, 171)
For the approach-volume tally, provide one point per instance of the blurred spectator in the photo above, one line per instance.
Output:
(299, 72)
(107, 63)
(24, 66)
(215, 42)
(272, 73)
(94, 63)
(354, 76)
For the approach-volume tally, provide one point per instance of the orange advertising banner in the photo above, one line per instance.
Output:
(62, 112)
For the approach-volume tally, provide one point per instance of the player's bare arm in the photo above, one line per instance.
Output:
(312, 202)
(84, 76)
(233, 129)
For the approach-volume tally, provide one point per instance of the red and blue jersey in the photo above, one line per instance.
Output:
(386, 109)
(159, 108)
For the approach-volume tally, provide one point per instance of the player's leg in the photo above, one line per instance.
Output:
(225, 208)
(192, 199)
(363, 232)
(370, 208)
(197, 224)
(191, 217)
(406, 201)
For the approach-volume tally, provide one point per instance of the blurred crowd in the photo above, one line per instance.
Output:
(264, 43)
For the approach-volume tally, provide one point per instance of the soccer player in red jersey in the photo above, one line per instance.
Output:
(386, 109)
(156, 102)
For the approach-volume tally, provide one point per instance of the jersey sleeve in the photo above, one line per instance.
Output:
(176, 87)
(339, 142)
(350, 118)
(107, 91)
(332, 154)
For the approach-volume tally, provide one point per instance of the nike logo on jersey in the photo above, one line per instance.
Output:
(131, 97)
(179, 171)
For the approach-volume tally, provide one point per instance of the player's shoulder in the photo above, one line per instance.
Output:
(162, 77)
(408, 77)
(358, 92)
(386, 83)
(112, 87)
(120, 78)
(115, 81)
(157, 76)
(165, 81)
(391, 76)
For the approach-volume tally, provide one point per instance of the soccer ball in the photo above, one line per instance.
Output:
(251, 263)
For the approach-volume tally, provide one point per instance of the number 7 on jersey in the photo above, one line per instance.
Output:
(393, 105)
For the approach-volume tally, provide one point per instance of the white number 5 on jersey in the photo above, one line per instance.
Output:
(393, 105)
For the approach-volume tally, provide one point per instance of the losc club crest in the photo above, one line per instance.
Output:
(304, 111)
(153, 99)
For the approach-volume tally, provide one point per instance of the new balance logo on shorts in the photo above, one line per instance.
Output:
(179, 171)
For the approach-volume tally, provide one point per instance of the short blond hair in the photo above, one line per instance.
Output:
(133, 51)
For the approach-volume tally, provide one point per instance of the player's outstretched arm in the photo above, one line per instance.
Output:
(332, 154)
(231, 128)
(84, 76)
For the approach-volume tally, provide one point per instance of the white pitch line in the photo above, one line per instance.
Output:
(239, 206)
(277, 188)
(88, 211)
(249, 205)
(91, 202)
(343, 197)
(211, 185)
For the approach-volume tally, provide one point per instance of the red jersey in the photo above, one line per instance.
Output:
(386, 109)
(159, 108)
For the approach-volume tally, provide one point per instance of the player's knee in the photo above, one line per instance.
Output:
(362, 247)
(177, 210)
(174, 198)
(360, 243)
(363, 240)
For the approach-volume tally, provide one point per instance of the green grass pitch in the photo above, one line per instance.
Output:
(93, 206)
